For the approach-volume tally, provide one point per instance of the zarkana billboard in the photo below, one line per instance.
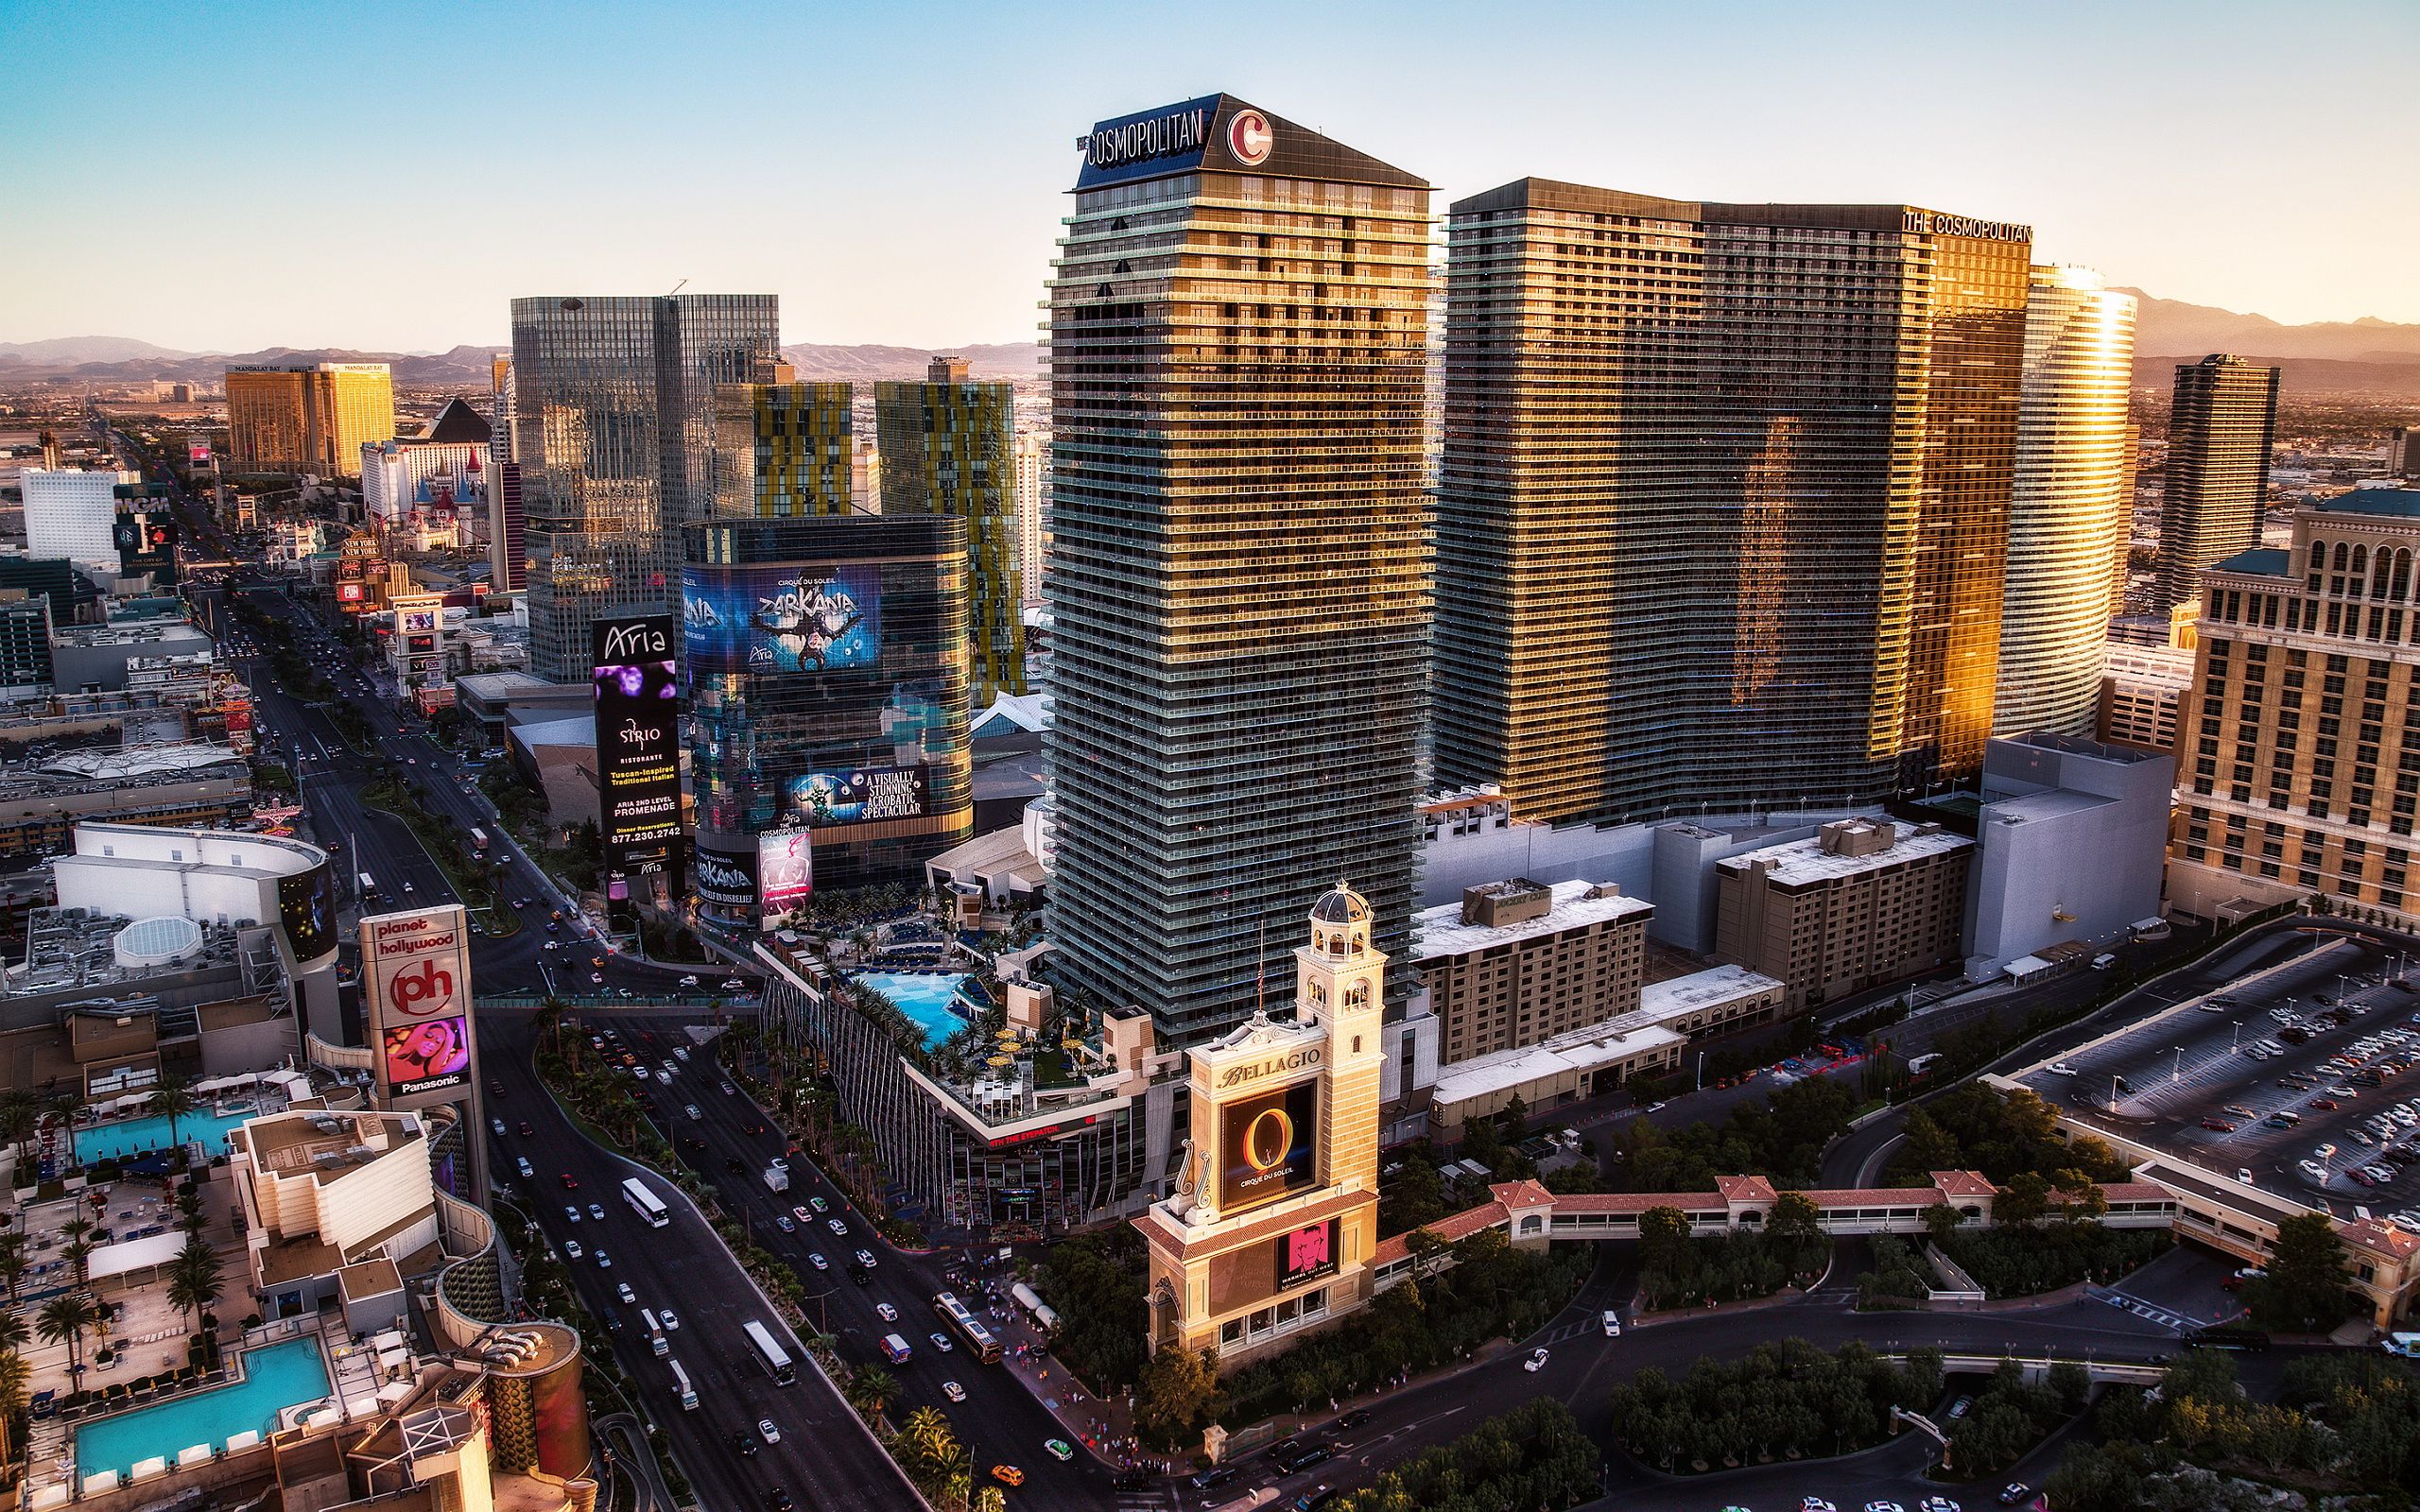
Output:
(781, 617)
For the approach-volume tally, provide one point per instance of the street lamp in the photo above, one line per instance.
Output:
(2177, 1075)
(2236, 1037)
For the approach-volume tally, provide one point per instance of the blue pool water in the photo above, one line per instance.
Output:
(275, 1378)
(133, 1136)
(923, 996)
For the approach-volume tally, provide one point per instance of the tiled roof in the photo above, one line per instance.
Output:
(2383, 1238)
(1745, 1188)
(2135, 1192)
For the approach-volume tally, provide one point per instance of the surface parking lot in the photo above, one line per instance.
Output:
(2306, 1083)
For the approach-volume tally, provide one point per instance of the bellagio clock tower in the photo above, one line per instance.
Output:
(1269, 1232)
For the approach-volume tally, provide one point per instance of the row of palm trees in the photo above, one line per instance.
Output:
(22, 1112)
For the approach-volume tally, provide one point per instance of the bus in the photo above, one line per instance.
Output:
(645, 1203)
(964, 1324)
(368, 887)
(681, 1387)
(771, 1355)
(479, 840)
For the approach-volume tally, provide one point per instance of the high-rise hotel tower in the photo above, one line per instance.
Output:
(2071, 505)
(1723, 500)
(1240, 579)
(947, 448)
(2220, 422)
(613, 430)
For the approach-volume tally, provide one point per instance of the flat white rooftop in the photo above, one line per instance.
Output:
(1579, 1050)
(1440, 931)
(1803, 861)
(1700, 990)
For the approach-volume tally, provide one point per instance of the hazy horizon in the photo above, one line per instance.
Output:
(305, 174)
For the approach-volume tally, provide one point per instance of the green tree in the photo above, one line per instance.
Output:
(1796, 1220)
(63, 1320)
(194, 1277)
(988, 1499)
(14, 1375)
(1179, 1392)
(1414, 1196)
(870, 1387)
(2306, 1287)
(1664, 1240)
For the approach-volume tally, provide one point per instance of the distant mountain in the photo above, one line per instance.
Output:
(118, 359)
(2172, 329)
(821, 364)
(72, 350)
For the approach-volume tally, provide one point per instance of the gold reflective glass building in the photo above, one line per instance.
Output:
(2071, 506)
(308, 417)
(1239, 576)
(782, 450)
(946, 448)
(1723, 496)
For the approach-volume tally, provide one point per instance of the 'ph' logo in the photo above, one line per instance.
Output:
(421, 984)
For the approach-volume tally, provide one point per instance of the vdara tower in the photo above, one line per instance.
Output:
(1238, 586)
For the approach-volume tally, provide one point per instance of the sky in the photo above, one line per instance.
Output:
(247, 173)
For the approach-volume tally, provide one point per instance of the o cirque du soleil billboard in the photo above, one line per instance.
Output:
(416, 971)
(638, 746)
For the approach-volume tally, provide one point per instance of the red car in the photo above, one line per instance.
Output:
(2325, 1105)
(570, 1181)
(2219, 1125)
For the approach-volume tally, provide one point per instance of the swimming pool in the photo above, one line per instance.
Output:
(925, 996)
(275, 1378)
(132, 1136)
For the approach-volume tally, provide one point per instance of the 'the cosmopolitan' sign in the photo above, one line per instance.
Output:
(1933, 223)
(1183, 129)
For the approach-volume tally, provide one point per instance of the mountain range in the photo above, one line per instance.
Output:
(2368, 356)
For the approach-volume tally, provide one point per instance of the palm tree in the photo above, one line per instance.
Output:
(13, 1377)
(990, 1499)
(13, 1338)
(63, 1320)
(172, 1099)
(550, 1021)
(194, 1277)
(189, 1215)
(19, 1116)
(12, 1275)
(869, 1388)
(925, 1438)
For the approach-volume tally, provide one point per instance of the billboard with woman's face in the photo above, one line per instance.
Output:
(425, 1057)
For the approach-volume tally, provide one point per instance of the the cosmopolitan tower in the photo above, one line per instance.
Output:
(1723, 503)
(1239, 580)
(2220, 427)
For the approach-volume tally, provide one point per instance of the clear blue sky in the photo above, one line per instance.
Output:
(246, 173)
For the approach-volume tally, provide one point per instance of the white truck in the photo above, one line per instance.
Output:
(2406, 1345)
(776, 1179)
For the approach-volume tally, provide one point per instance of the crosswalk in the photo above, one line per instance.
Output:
(1556, 1333)
(1159, 1498)
(2149, 1310)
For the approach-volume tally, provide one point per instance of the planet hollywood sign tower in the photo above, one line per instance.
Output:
(1275, 1215)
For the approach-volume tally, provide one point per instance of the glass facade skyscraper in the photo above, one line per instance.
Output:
(612, 421)
(2220, 422)
(2071, 503)
(824, 663)
(782, 451)
(308, 417)
(1722, 498)
(946, 448)
(1239, 578)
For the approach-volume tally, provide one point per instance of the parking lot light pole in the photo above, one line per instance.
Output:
(2235, 1039)
(2177, 1075)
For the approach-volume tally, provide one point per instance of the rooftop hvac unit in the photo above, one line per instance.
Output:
(360, 1152)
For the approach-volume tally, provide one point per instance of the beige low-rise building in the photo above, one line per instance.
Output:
(321, 1190)
(1865, 902)
(1518, 962)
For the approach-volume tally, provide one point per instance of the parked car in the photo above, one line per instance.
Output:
(1537, 1360)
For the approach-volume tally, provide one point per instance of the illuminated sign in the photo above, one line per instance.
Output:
(1276, 1065)
(416, 985)
(306, 911)
(638, 759)
(1143, 138)
(725, 878)
(780, 618)
(1268, 1146)
(1249, 137)
(198, 453)
(1306, 1255)
(348, 593)
(785, 874)
(1933, 223)
(860, 796)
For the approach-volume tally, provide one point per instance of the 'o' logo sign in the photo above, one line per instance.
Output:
(1249, 137)
(421, 984)
(1268, 1139)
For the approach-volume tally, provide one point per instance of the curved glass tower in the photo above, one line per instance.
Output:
(2069, 504)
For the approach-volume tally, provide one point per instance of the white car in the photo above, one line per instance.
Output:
(819, 1262)
(571, 1215)
(953, 1391)
(885, 1312)
(2243, 1174)
(801, 1214)
(688, 981)
(766, 1431)
(1937, 1504)
(1613, 1325)
(1815, 1503)
(1884, 1506)
(2060, 1068)
(663, 1315)
(1537, 1360)
(571, 1247)
(497, 1125)
(692, 1109)
(604, 1261)
(839, 1228)
(622, 1290)
(733, 985)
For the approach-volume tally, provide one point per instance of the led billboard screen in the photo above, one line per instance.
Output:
(306, 911)
(426, 1055)
(785, 874)
(638, 759)
(1306, 1255)
(1268, 1146)
(726, 878)
(780, 618)
(861, 795)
